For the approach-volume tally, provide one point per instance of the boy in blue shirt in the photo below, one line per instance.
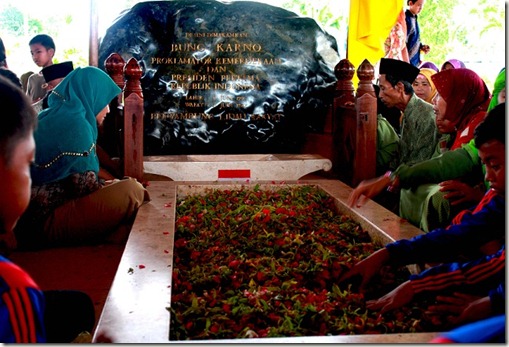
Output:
(22, 302)
(471, 249)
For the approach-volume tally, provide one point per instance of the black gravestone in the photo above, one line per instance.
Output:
(226, 78)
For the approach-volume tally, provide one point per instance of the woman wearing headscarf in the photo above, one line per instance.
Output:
(462, 100)
(429, 65)
(69, 204)
(452, 64)
(424, 86)
(498, 95)
(467, 98)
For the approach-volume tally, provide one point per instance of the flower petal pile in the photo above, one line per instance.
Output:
(253, 262)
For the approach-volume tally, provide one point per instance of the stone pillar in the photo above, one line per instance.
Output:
(354, 124)
(366, 130)
(111, 137)
(133, 121)
(343, 121)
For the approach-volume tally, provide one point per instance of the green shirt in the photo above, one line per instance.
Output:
(449, 165)
(419, 135)
(387, 149)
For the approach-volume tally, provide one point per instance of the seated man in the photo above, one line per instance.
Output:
(418, 134)
(53, 75)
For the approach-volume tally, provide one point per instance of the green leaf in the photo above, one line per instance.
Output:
(194, 303)
(265, 305)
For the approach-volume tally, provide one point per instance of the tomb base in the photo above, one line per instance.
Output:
(135, 310)
(253, 167)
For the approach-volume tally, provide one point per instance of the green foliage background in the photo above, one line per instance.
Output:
(470, 31)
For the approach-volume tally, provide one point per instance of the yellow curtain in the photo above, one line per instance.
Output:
(369, 25)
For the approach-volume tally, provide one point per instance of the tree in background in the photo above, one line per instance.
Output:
(468, 31)
(14, 22)
(19, 23)
(331, 15)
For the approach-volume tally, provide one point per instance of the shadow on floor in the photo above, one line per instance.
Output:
(90, 269)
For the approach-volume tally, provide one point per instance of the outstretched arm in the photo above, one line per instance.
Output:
(368, 189)
(484, 270)
(447, 166)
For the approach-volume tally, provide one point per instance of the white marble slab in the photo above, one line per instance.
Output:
(135, 310)
(254, 167)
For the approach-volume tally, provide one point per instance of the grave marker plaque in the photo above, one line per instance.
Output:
(226, 78)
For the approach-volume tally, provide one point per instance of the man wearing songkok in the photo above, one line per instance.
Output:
(418, 135)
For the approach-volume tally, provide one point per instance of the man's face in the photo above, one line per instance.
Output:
(52, 84)
(492, 154)
(388, 94)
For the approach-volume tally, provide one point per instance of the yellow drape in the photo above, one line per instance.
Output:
(369, 25)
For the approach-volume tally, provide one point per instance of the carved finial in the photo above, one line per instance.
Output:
(344, 70)
(366, 74)
(114, 66)
(133, 74)
(344, 93)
